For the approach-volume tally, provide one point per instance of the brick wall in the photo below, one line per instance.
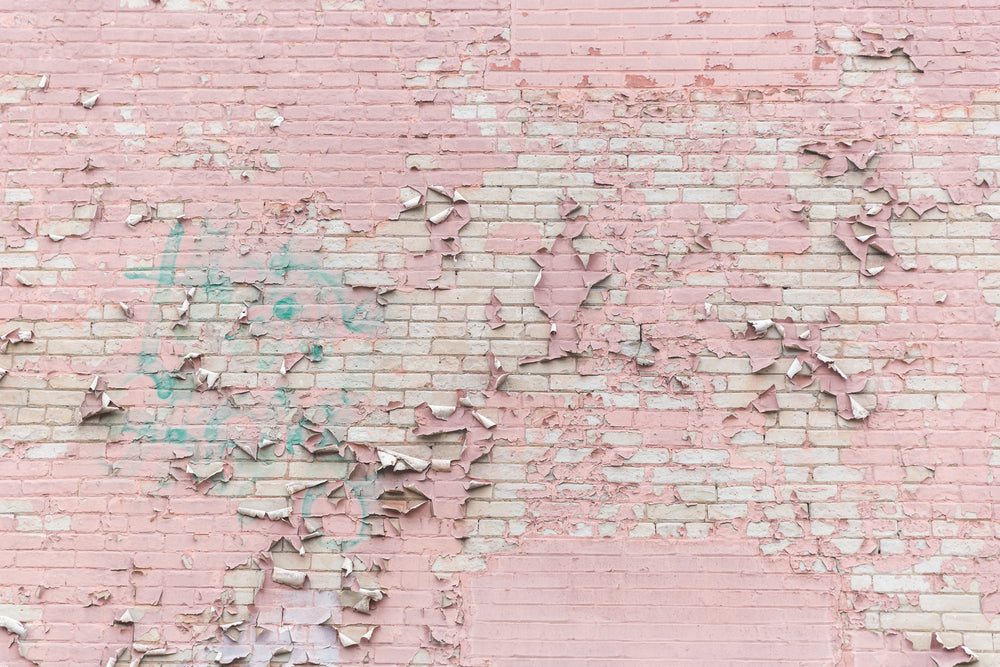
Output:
(337, 333)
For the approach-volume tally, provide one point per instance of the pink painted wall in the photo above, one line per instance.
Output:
(715, 601)
(488, 332)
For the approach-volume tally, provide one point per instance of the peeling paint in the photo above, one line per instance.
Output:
(422, 305)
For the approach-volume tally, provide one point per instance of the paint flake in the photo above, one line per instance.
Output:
(353, 635)
(290, 578)
(842, 154)
(13, 626)
(130, 617)
(767, 401)
(493, 313)
(205, 471)
(16, 337)
(562, 286)
(400, 462)
(97, 402)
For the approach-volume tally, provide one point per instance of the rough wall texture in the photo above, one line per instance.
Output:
(499, 332)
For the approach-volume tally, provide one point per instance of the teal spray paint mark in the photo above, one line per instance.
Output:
(287, 308)
(210, 441)
(205, 434)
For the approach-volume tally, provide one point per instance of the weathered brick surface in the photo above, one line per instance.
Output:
(473, 332)
(646, 602)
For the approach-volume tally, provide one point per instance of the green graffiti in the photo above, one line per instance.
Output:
(287, 308)
(164, 383)
(282, 261)
(302, 293)
(176, 435)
